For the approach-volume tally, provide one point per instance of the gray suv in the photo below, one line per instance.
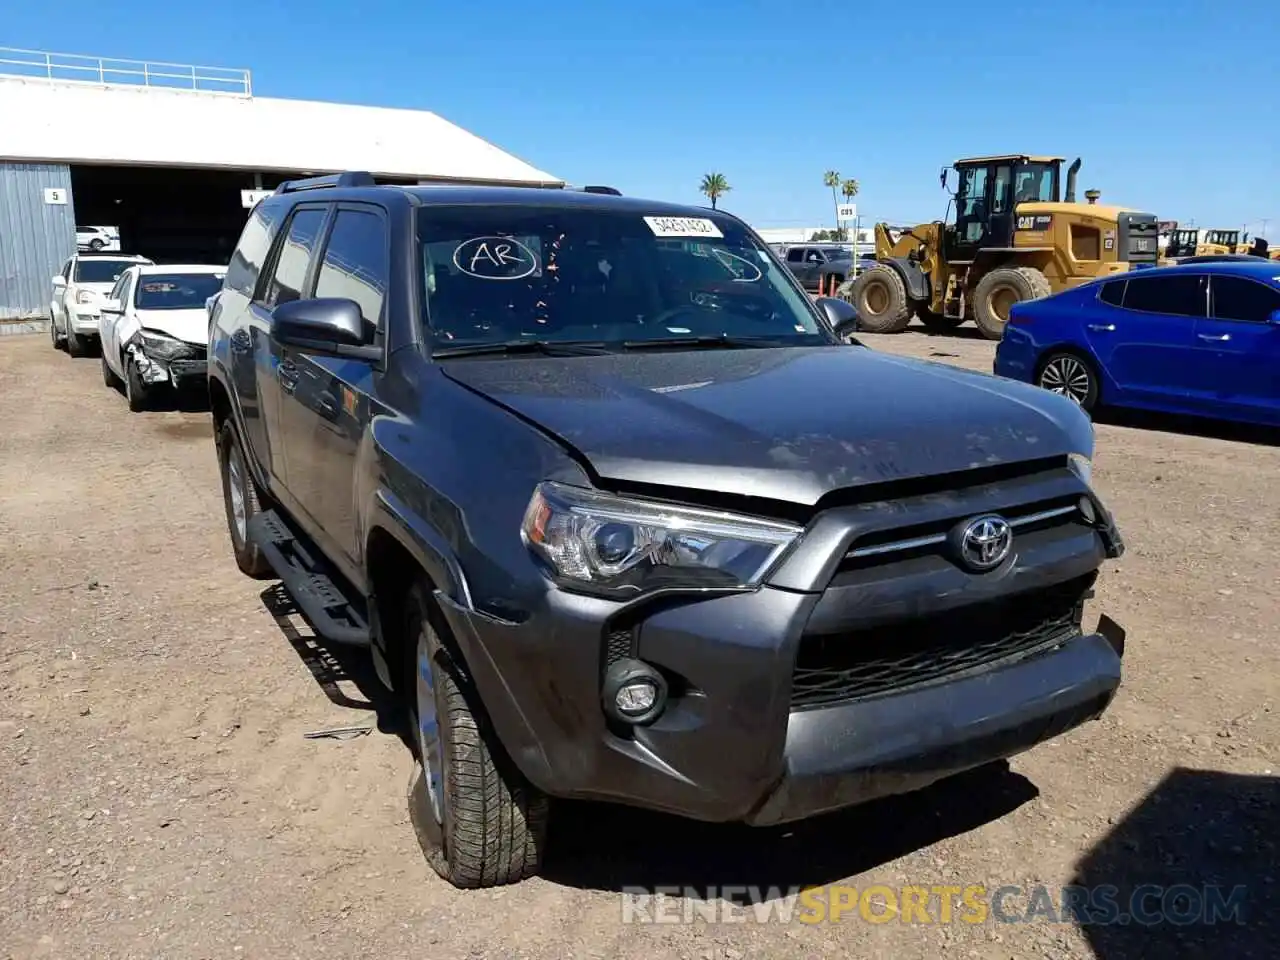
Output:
(620, 515)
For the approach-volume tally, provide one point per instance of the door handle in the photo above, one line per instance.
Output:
(1103, 327)
(1216, 338)
(287, 374)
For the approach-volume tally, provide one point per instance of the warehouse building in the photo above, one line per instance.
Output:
(166, 160)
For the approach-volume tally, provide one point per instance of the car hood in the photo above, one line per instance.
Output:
(786, 424)
(189, 325)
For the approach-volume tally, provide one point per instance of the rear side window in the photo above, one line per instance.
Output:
(1181, 295)
(251, 250)
(1236, 298)
(795, 255)
(293, 257)
(1112, 293)
(355, 262)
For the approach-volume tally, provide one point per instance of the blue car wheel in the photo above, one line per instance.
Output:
(1070, 375)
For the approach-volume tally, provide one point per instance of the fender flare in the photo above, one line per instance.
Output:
(913, 278)
(393, 516)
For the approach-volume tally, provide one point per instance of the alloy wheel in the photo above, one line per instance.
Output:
(1067, 377)
(429, 729)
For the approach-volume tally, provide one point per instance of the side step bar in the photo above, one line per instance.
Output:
(321, 603)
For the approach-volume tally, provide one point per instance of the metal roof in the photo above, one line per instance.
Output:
(1011, 156)
(108, 120)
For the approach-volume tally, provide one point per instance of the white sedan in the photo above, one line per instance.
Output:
(155, 328)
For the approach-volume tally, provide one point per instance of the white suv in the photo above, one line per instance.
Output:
(78, 291)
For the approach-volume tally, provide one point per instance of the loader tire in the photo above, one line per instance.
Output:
(999, 290)
(880, 297)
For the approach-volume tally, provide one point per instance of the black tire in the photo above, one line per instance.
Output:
(996, 293)
(231, 462)
(76, 344)
(880, 297)
(936, 322)
(96, 244)
(109, 376)
(1071, 375)
(53, 333)
(487, 825)
(135, 391)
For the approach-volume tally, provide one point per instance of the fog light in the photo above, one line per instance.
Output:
(636, 698)
(634, 692)
(1086, 510)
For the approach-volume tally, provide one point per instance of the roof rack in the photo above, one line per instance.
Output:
(352, 178)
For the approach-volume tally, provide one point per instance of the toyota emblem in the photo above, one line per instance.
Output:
(985, 542)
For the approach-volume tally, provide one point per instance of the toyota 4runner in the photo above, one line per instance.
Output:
(622, 514)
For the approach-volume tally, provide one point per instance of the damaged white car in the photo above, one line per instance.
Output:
(155, 328)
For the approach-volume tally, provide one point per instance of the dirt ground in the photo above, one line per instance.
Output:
(159, 797)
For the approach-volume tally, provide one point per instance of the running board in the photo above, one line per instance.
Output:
(319, 600)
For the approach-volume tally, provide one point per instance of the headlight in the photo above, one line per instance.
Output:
(86, 296)
(1082, 466)
(162, 347)
(612, 545)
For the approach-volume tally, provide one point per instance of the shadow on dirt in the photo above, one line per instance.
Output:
(605, 847)
(1192, 871)
(1189, 426)
(336, 668)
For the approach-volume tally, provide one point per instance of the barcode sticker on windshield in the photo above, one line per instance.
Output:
(682, 227)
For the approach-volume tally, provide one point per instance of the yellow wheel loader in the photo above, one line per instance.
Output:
(1016, 235)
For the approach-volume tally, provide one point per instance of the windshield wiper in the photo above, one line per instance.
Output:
(547, 348)
(722, 340)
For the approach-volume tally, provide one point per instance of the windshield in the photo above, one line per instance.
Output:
(176, 291)
(101, 270)
(505, 273)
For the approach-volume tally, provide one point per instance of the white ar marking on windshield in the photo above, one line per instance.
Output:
(495, 258)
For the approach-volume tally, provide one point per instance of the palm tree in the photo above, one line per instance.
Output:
(715, 186)
(850, 190)
(832, 179)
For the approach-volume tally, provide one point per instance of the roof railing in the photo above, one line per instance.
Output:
(110, 71)
(352, 178)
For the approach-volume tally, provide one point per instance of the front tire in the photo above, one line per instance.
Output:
(242, 502)
(1072, 376)
(999, 290)
(479, 822)
(77, 346)
(880, 297)
(135, 391)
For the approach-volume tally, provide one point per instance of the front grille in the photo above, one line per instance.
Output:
(896, 656)
(899, 543)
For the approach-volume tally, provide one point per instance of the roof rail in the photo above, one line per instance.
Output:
(610, 191)
(352, 178)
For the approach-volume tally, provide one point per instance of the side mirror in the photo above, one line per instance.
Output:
(59, 280)
(1274, 319)
(111, 306)
(840, 314)
(329, 326)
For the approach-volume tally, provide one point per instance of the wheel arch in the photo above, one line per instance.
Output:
(397, 555)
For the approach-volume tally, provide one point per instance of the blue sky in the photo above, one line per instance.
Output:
(1158, 98)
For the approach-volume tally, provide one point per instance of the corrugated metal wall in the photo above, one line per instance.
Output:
(35, 239)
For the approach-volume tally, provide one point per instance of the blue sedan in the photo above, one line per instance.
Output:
(1200, 338)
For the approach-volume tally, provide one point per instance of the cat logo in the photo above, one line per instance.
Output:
(1035, 222)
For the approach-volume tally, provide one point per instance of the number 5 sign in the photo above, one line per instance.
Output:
(55, 195)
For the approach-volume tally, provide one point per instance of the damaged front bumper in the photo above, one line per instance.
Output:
(162, 359)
